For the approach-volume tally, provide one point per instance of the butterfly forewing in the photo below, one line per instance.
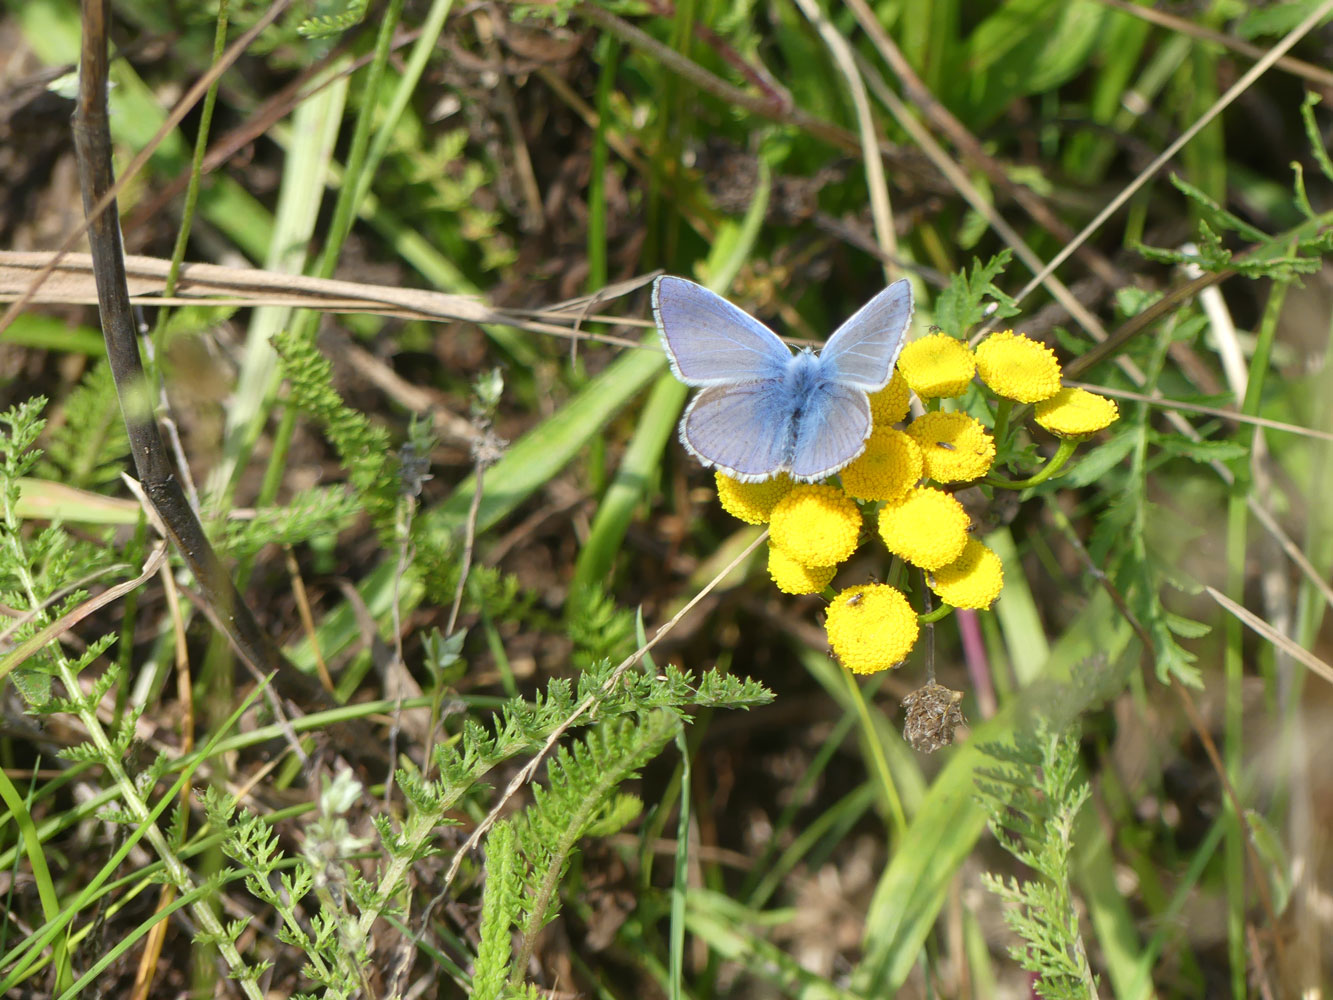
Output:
(862, 351)
(711, 342)
(743, 430)
(830, 432)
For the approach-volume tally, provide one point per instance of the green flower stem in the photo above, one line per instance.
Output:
(1057, 462)
(876, 748)
(1002, 421)
(930, 617)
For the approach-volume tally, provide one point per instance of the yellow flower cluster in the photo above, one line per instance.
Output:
(927, 528)
(813, 528)
(816, 525)
(792, 577)
(973, 580)
(890, 404)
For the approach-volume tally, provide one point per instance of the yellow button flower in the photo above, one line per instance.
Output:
(871, 627)
(890, 404)
(973, 580)
(937, 365)
(792, 577)
(753, 503)
(886, 470)
(816, 525)
(1018, 367)
(928, 527)
(955, 448)
(1075, 413)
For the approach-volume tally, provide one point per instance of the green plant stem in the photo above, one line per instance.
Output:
(357, 170)
(41, 874)
(111, 758)
(1062, 455)
(886, 782)
(192, 187)
(934, 615)
(176, 871)
(608, 57)
(1002, 421)
(355, 184)
(679, 878)
(709, 83)
(1233, 661)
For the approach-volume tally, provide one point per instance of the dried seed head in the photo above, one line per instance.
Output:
(932, 716)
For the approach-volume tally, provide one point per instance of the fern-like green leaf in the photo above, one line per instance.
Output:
(1033, 798)
(973, 296)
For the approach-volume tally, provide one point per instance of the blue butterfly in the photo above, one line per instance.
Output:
(763, 410)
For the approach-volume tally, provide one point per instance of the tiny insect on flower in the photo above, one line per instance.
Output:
(955, 447)
(871, 627)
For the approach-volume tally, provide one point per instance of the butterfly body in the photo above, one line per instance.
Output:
(763, 410)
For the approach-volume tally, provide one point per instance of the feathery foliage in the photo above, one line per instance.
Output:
(363, 449)
(89, 448)
(1033, 799)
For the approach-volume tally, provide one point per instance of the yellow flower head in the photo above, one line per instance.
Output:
(928, 528)
(753, 503)
(1075, 413)
(937, 365)
(792, 577)
(1018, 367)
(886, 470)
(816, 525)
(973, 580)
(890, 404)
(955, 448)
(871, 627)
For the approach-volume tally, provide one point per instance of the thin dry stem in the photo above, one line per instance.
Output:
(183, 107)
(881, 209)
(1148, 172)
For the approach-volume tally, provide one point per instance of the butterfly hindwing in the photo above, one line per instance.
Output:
(744, 430)
(862, 351)
(830, 432)
(709, 341)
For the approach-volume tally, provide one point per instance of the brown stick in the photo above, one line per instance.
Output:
(92, 144)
